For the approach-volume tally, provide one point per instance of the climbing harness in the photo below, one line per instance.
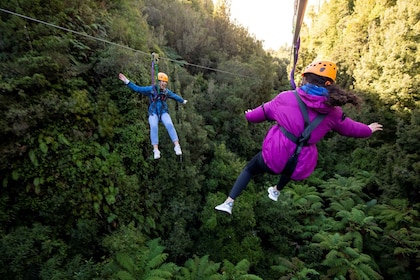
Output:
(157, 94)
(300, 6)
(300, 141)
(155, 61)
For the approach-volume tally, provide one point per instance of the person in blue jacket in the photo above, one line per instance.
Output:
(158, 110)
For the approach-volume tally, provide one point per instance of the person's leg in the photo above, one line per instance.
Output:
(274, 192)
(154, 134)
(167, 122)
(284, 179)
(254, 167)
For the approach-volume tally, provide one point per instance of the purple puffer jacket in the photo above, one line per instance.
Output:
(284, 109)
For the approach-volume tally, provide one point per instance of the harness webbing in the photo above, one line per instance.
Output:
(295, 59)
(157, 96)
(299, 12)
(300, 141)
(155, 60)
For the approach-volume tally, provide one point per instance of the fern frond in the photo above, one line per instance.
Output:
(125, 261)
(124, 275)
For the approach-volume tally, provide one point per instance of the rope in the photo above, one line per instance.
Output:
(299, 13)
(295, 59)
(121, 46)
(155, 70)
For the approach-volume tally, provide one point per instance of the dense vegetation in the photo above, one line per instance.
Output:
(82, 198)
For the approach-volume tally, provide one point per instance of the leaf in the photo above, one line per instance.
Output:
(125, 261)
(33, 158)
(15, 175)
(124, 275)
(5, 181)
(96, 206)
(37, 189)
(63, 140)
(43, 146)
(110, 199)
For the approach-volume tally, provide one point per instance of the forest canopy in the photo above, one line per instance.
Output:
(82, 198)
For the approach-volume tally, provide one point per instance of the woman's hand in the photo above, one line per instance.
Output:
(375, 126)
(123, 78)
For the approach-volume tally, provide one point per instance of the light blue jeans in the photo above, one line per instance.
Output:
(154, 127)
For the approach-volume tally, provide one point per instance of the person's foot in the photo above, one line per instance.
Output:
(177, 150)
(156, 154)
(273, 194)
(225, 207)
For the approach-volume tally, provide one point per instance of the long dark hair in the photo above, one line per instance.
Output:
(336, 95)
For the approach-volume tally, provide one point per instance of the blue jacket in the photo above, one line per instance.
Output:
(158, 103)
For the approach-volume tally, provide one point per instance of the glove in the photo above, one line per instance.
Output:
(185, 101)
(123, 78)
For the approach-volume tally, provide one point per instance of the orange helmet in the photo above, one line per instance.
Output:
(322, 68)
(163, 77)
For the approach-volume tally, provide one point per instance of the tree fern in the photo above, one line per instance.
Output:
(131, 256)
(396, 214)
(342, 259)
(345, 204)
(199, 268)
(238, 271)
(124, 275)
(293, 269)
(125, 261)
(340, 188)
(306, 199)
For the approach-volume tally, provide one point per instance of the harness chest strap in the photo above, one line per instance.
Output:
(309, 126)
(303, 138)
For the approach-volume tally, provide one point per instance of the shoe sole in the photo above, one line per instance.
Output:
(272, 197)
(223, 210)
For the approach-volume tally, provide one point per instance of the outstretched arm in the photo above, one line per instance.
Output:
(256, 115)
(375, 127)
(144, 90)
(176, 97)
(351, 128)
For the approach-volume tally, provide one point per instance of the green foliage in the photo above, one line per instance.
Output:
(200, 268)
(134, 258)
(27, 249)
(294, 269)
(344, 261)
(82, 198)
(238, 271)
(224, 168)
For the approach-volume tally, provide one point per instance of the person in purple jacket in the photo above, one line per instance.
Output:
(321, 95)
(158, 110)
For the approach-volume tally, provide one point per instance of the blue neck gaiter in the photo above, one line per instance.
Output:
(314, 90)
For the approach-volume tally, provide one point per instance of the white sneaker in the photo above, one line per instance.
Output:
(273, 194)
(156, 154)
(225, 206)
(177, 150)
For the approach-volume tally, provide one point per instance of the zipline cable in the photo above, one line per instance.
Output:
(119, 45)
(300, 7)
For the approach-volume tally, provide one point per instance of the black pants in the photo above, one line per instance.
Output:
(254, 167)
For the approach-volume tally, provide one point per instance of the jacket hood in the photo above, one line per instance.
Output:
(317, 103)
